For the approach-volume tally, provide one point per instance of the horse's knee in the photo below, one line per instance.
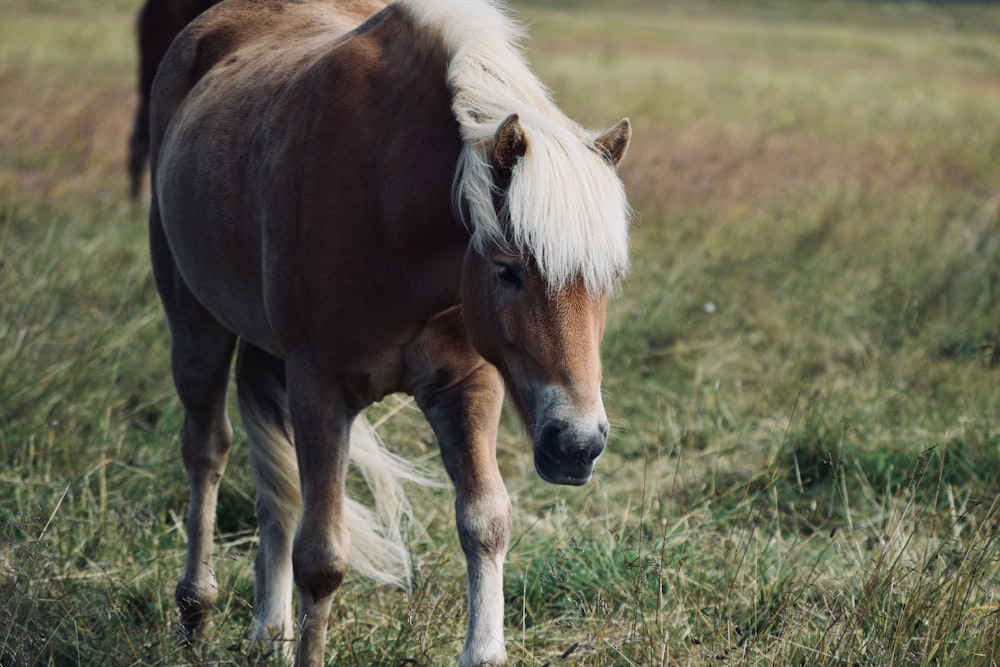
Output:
(319, 562)
(194, 601)
(206, 456)
(484, 525)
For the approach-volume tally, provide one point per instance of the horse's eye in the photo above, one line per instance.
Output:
(508, 275)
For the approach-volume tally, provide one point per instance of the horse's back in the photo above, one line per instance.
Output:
(253, 27)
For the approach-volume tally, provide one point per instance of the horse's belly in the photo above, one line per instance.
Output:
(235, 301)
(216, 250)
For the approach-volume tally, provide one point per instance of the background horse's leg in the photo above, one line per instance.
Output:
(465, 417)
(159, 21)
(322, 420)
(138, 149)
(201, 356)
(260, 383)
(155, 30)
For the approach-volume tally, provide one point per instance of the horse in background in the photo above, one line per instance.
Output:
(159, 21)
(354, 200)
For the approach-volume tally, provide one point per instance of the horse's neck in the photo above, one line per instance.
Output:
(418, 139)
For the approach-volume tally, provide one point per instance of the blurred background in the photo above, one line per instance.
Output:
(801, 367)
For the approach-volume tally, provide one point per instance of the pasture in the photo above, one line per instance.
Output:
(802, 368)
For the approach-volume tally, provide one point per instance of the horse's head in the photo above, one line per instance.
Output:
(544, 336)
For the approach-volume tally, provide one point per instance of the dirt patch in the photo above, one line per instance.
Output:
(54, 143)
(669, 169)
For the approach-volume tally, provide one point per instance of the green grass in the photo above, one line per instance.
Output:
(801, 368)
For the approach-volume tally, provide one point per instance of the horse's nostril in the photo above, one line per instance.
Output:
(604, 428)
(596, 447)
(566, 455)
(550, 439)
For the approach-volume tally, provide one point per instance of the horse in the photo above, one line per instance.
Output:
(158, 22)
(356, 199)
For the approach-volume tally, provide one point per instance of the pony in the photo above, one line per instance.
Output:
(357, 199)
(157, 24)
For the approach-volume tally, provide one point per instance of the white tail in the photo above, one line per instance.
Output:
(379, 549)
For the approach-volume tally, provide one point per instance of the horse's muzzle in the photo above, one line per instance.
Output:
(566, 455)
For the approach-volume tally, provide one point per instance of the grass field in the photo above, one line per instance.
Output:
(802, 368)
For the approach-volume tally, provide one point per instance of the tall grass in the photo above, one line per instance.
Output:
(801, 367)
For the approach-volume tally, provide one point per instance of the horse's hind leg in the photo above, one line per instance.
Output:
(201, 359)
(201, 356)
(260, 382)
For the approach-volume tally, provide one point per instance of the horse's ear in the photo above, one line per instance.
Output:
(613, 144)
(509, 144)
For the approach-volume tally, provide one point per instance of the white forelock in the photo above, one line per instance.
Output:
(565, 205)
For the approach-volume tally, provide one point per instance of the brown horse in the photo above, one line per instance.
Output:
(370, 199)
(159, 21)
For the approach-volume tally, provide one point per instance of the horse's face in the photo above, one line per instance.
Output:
(544, 340)
(546, 345)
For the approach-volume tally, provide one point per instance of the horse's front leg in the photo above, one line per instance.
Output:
(321, 549)
(464, 416)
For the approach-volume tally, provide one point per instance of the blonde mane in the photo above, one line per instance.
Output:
(565, 205)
